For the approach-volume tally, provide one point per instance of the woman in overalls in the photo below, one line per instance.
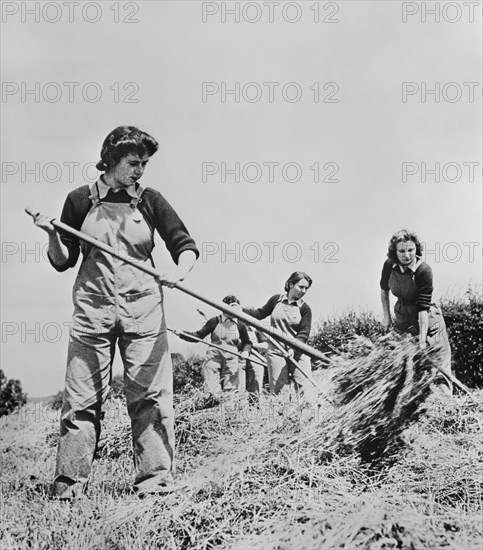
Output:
(290, 314)
(221, 368)
(116, 303)
(411, 281)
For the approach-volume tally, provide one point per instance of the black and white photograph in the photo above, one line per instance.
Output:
(241, 275)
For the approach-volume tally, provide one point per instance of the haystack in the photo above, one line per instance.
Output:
(379, 391)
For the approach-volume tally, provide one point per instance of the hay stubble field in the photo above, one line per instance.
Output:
(252, 478)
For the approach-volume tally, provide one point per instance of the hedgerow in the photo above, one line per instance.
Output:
(335, 334)
(464, 321)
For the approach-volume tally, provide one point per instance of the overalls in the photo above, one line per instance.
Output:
(115, 302)
(220, 363)
(403, 286)
(279, 369)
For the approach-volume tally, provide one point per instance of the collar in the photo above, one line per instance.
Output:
(415, 264)
(284, 299)
(104, 189)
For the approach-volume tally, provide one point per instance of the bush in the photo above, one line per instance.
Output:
(464, 320)
(11, 395)
(186, 372)
(335, 334)
(56, 400)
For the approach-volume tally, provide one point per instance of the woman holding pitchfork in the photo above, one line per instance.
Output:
(116, 303)
(290, 314)
(221, 369)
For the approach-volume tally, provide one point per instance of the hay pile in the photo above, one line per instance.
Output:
(378, 390)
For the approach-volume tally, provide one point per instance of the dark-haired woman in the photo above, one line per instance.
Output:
(411, 281)
(221, 369)
(289, 313)
(116, 303)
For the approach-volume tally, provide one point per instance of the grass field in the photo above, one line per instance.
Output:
(252, 478)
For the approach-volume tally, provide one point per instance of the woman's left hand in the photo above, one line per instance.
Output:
(177, 274)
(170, 278)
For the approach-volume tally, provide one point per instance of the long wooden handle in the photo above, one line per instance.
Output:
(258, 354)
(221, 348)
(230, 311)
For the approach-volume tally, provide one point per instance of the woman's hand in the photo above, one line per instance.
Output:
(261, 345)
(386, 323)
(423, 322)
(186, 262)
(172, 277)
(423, 346)
(43, 221)
(57, 251)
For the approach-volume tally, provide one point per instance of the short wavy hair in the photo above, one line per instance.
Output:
(123, 141)
(295, 278)
(403, 236)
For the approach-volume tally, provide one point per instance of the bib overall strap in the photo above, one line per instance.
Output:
(135, 201)
(94, 196)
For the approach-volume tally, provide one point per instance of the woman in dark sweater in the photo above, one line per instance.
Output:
(289, 313)
(411, 281)
(114, 303)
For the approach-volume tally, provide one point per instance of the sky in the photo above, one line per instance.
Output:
(293, 136)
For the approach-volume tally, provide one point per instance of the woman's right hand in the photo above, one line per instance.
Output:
(43, 221)
(386, 323)
(261, 345)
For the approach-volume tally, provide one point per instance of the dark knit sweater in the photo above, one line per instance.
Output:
(155, 209)
(423, 278)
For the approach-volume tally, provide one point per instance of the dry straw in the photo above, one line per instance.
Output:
(254, 477)
(378, 390)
